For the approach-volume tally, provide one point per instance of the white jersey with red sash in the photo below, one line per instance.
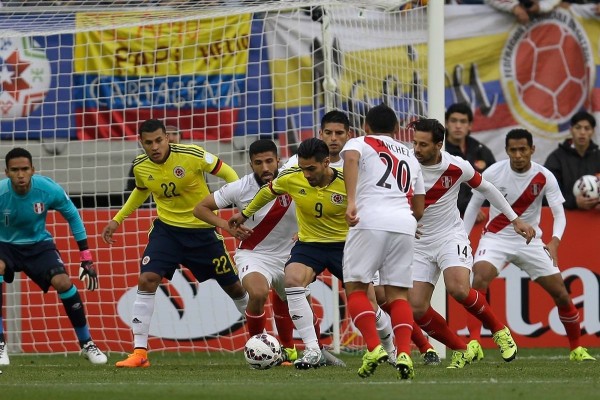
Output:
(442, 183)
(524, 192)
(389, 175)
(273, 225)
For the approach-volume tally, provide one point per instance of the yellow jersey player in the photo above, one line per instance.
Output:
(174, 175)
(320, 196)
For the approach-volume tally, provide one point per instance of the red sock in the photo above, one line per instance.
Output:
(476, 304)
(283, 321)
(385, 307)
(419, 339)
(473, 323)
(436, 327)
(363, 317)
(256, 323)
(569, 316)
(402, 324)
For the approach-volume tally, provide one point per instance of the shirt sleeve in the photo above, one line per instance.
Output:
(134, 201)
(228, 194)
(553, 194)
(262, 198)
(64, 205)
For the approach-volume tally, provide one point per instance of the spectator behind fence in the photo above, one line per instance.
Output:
(596, 3)
(459, 120)
(524, 10)
(574, 158)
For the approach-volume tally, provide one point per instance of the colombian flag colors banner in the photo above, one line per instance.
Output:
(534, 76)
(191, 72)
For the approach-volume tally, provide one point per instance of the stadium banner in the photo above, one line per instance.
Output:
(534, 76)
(172, 71)
(526, 308)
(35, 87)
(183, 321)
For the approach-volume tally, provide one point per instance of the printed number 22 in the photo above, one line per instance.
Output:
(169, 190)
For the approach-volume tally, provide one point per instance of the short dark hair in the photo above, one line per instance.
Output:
(18, 152)
(461, 108)
(381, 119)
(172, 129)
(519, 134)
(583, 115)
(431, 125)
(335, 116)
(262, 146)
(150, 125)
(313, 147)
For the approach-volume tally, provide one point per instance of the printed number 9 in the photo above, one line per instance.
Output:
(319, 210)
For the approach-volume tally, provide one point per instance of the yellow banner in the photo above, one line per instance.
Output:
(210, 46)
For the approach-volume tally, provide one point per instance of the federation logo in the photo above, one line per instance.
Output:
(337, 198)
(179, 172)
(547, 70)
(38, 208)
(535, 189)
(145, 260)
(284, 201)
(25, 76)
(446, 182)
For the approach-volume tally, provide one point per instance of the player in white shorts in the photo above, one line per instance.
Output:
(381, 178)
(260, 257)
(335, 132)
(524, 183)
(444, 245)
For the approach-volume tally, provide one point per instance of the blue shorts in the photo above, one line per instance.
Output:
(319, 256)
(40, 261)
(201, 250)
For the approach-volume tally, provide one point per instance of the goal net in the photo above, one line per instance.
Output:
(77, 78)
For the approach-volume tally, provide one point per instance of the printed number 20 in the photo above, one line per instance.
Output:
(402, 173)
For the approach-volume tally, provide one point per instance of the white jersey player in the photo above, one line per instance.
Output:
(444, 245)
(381, 178)
(524, 183)
(260, 257)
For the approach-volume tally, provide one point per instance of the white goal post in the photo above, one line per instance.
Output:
(77, 78)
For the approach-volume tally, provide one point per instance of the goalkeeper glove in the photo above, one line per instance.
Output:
(87, 272)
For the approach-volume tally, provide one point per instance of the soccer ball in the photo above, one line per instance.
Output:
(587, 186)
(262, 351)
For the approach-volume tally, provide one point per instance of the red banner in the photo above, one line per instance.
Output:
(526, 308)
(521, 304)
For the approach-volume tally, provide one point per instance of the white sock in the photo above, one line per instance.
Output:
(143, 308)
(302, 316)
(241, 303)
(384, 330)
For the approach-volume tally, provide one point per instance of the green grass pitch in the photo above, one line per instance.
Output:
(535, 374)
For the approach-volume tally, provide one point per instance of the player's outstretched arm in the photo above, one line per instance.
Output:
(418, 206)
(204, 211)
(351, 159)
(523, 229)
(558, 228)
(236, 220)
(225, 172)
(108, 232)
(497, 200)
(471, 211)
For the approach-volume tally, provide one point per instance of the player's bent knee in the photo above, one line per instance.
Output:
(235, 290)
